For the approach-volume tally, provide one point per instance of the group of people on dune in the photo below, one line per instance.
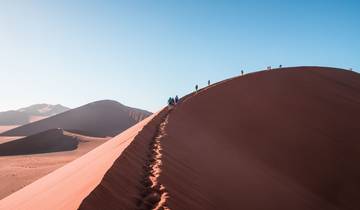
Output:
(173, 101)
(197, 86)
(269, 67)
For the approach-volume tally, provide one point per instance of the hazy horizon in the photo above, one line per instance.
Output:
(140, 53)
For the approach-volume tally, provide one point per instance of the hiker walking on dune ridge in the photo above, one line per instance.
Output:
(196, 88)
(176, 99)
(170, 101)
(208, 82)
(242, 72)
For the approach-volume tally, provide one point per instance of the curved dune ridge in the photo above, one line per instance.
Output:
(100, 118)
(126, 184)
(279, 139)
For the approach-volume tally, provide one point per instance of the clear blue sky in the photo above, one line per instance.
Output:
(141, 52)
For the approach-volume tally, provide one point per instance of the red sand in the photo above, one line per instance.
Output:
(4, 139)
(100, 118)
(121, 185)
(66, 187)
(54, 140)
(17, 171)
(280, 139)
(4, 128)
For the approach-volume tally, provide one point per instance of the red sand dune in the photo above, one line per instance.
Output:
(32, 157)
(54, 140)
(122, 184)
(101, 118)
(4, 128)
(67, 186)
(279, 139)
(4, 139)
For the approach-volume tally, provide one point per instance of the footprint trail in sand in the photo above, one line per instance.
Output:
(154, 195)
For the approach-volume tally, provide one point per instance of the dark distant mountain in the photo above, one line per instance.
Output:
(30, 114)
(101, 118)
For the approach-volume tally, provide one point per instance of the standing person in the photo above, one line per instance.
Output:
(242, 72)
(280, 66)
(170, 103)
(196, 88)
(208, 82)
(176, 99)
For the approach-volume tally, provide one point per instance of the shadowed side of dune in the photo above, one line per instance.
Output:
(52, 140)
(85, 133)
(123, 185)
(281, 139)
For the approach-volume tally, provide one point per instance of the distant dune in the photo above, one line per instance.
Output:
(44, 109)
(101, 118)
(66, 187)
(54, 140)
(32, 157)
(30, 114)
(4, 139)
(4, 128)
(48, 146)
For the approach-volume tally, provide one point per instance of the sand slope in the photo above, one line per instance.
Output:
(4, 128)
(123, 184)
(281, 139)
(66, 187)
(101, 118)
(53, 140)
(18, 170)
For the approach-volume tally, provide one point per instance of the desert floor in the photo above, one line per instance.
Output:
(21, 170)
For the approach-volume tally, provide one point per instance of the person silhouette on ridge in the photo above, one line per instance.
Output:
(170, 101)
(196, 88)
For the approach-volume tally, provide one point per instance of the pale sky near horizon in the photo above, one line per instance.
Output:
(141, 52)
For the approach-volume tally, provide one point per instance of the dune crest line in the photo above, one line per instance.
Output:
(154, 195)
